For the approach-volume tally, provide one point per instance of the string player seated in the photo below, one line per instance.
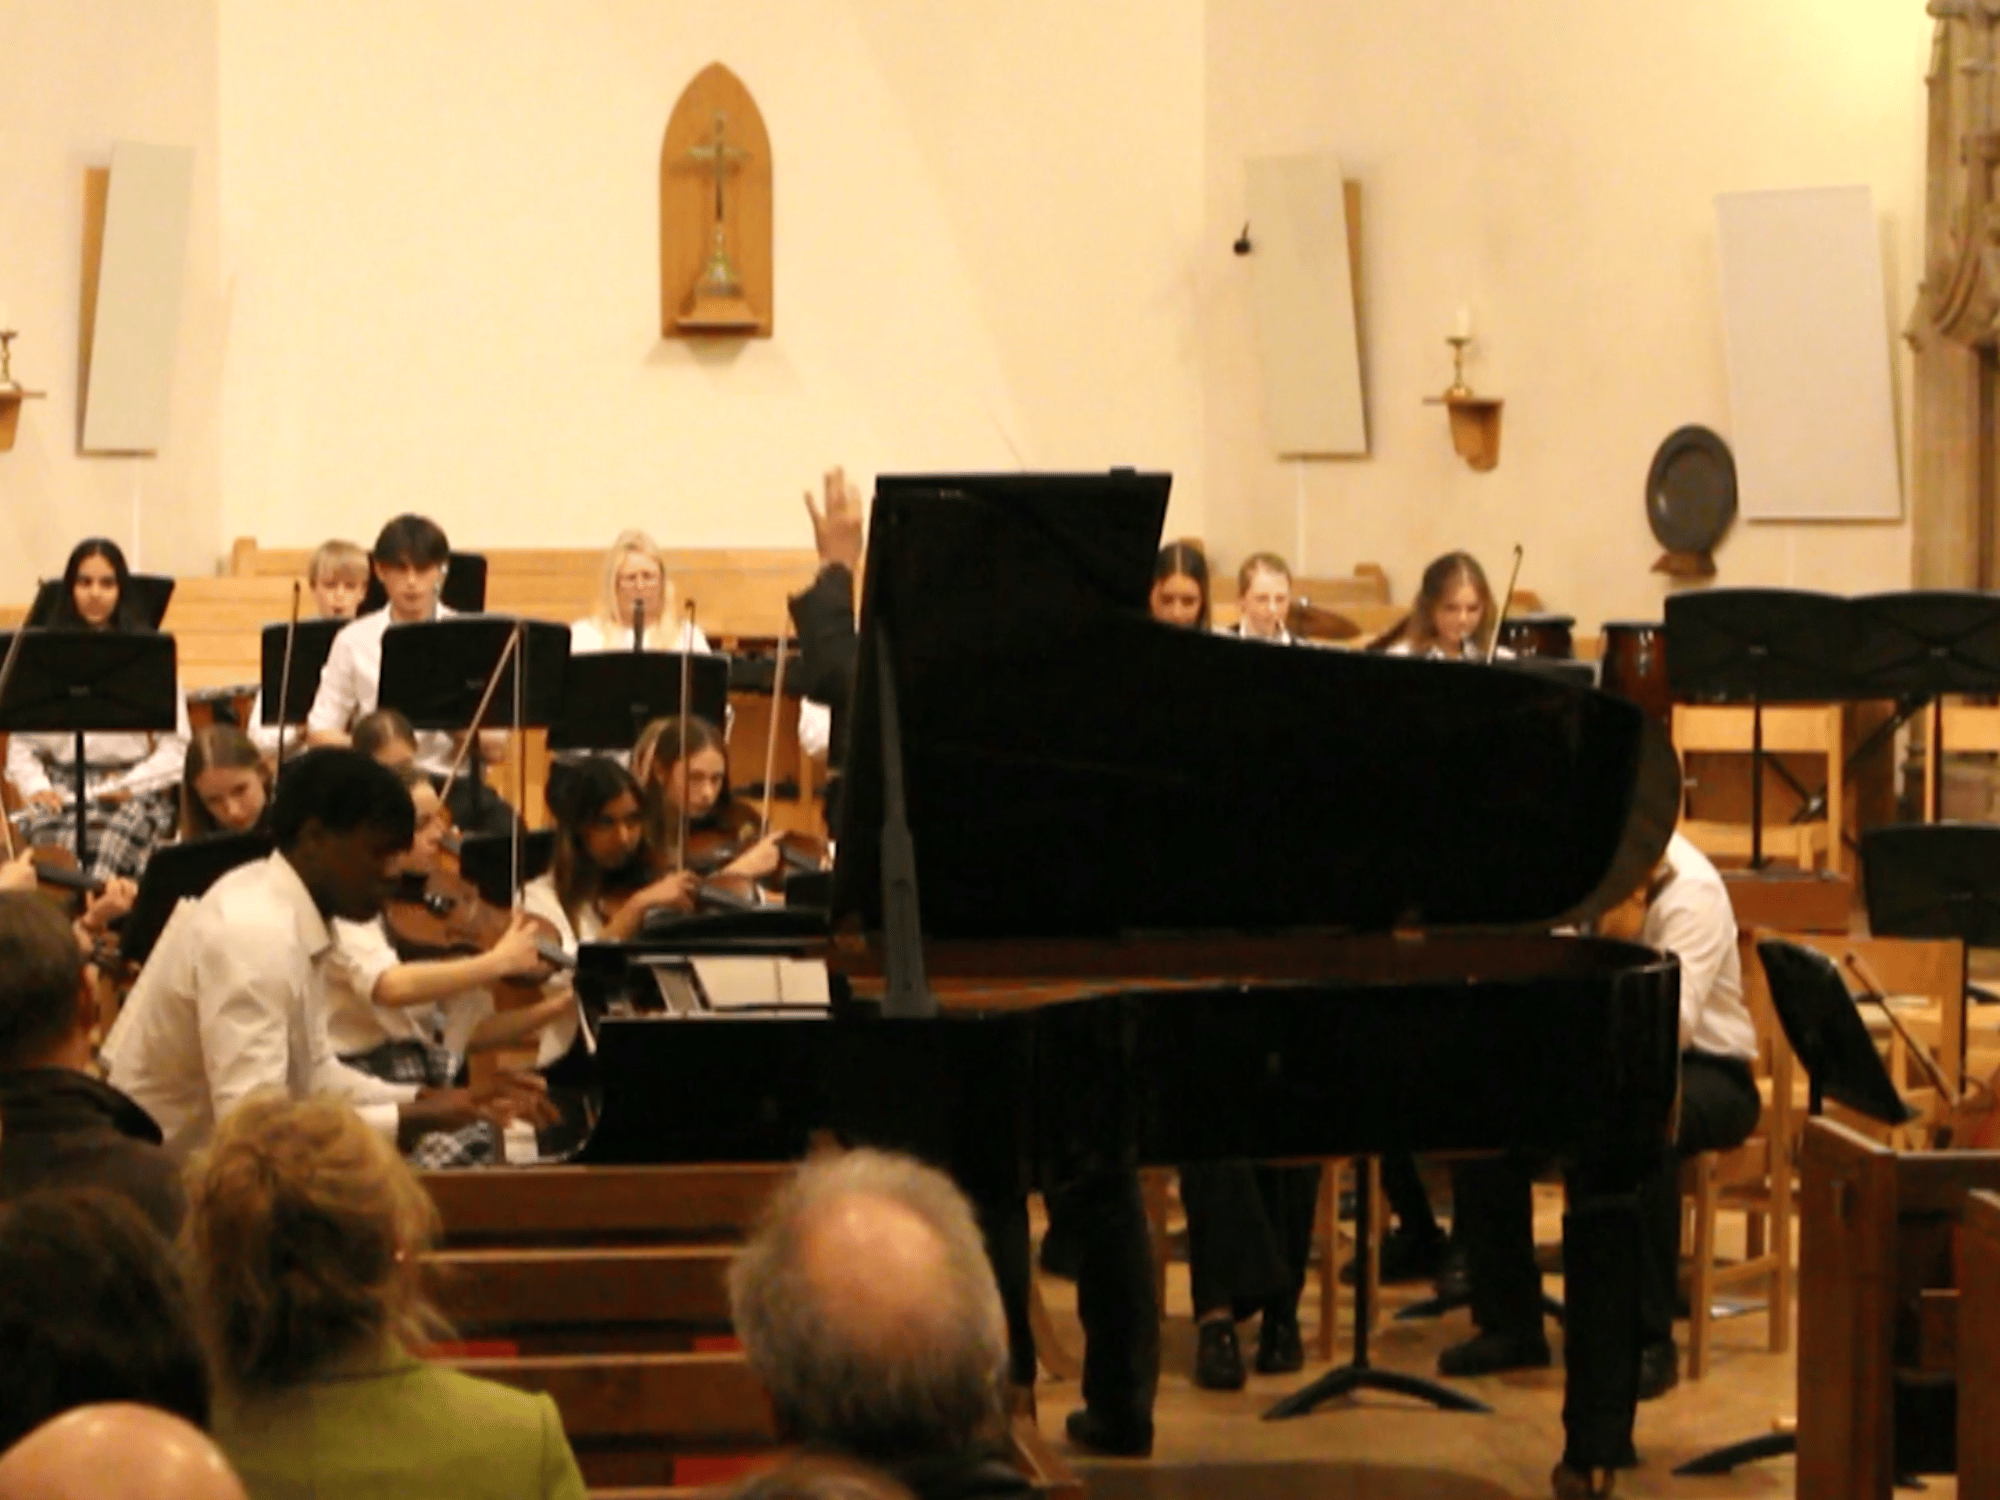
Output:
(683, 765)
(604, 875)
(407, 1018)
(1180, 585)
(1263, 600)
(128, 778)
(1452, 618)
(226, 786)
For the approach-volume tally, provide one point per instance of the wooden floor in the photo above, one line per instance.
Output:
(1215, 1446)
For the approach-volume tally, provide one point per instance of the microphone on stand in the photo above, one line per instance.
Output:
(638, 624)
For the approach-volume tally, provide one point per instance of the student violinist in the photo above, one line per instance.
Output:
(1180, 585)
(1453, 617)
(129, 779)
(226, 786)
(604, 876)
(410, 1019)
(1263, 599)
(681, 762)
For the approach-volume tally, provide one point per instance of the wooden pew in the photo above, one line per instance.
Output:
(606, 1288)
(1881, 1335)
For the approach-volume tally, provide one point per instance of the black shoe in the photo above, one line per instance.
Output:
(1659, 1369)
(1218, 1359)
(1087, 1429)
(1280, 1350)
(1407, 1255)
(1490, 1353)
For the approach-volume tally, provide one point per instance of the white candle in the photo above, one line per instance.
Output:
(1462, 325)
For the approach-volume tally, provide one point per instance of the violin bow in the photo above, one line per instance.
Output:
(687, 708)
(771, 743)
(479, 714)
(519, 843)
(1513, 577)
(1879, 993)
(285, 687)
(6, 677)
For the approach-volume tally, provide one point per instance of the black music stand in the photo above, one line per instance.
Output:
(1823, 1025)
(1934, 880)
(1919, 646)
(312, 643)
(182, 872)
(462, 592)
(435, 673)
(487, 860)
(1358, 1374)
(89, 681)
(608, 697)
(759, 674)
(1759, 646)
(151, 591)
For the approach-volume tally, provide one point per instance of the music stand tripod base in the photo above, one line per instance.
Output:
(1359, 1374)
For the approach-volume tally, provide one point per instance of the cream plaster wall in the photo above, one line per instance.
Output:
(1553, 165)
(79, 76)
(440, 223)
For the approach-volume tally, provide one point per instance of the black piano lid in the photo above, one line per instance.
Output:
(1074, 768)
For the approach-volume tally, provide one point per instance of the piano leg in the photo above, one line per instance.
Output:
(1601, 1334)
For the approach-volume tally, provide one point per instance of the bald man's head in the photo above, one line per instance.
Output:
(866, 1305)
(119, 1452)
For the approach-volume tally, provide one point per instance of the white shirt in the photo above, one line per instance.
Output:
(1436, 652)
(590, 636)
(1693, 920)
(362, 954)
(1242, 631)
(134, 763)
(538, 899)
(351, 685)
(233, 1000)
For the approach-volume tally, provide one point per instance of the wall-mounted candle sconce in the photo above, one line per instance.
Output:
(11, 393)
(1475, 420)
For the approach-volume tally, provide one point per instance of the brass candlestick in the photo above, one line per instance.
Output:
(1458, 390)
(7, 380)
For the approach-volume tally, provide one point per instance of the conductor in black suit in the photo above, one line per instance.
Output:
(1102, 1212)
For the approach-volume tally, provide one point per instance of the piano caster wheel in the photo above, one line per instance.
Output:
(1575, 1484)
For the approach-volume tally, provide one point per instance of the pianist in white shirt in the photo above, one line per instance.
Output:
(1683, 910)
(233, 999)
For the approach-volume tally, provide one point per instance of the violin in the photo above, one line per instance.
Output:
(735, 828)
(712, 893)
(62, 880)
(442, 914)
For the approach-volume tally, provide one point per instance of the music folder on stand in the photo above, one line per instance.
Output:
(312, 643)
(86, 682)
(182, 872)
(608, 697)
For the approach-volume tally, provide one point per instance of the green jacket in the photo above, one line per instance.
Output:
(386, 1426)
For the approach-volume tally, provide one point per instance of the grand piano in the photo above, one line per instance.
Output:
(1111, 893)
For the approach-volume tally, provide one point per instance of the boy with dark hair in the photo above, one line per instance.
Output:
(60, 1127)
(233, 998)
(409, 562)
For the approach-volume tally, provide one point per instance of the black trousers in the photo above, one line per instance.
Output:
(1115, 1301)
(1408, 1199)
(1249, 1235)
(1493, 1214)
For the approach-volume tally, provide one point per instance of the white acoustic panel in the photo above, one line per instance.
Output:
(1302, 302)
(1806, 327)
(133, 335)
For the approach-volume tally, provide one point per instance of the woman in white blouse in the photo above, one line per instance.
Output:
(131, 781)
(1453, 617)
(634, 574)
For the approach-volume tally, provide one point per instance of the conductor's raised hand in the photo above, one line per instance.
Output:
(837, 528)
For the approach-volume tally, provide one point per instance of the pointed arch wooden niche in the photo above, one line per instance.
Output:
(716, 270)
(1954, 329)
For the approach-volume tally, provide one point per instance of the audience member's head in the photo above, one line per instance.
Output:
(868, 1308)
(117, 1452)
(92, 1309)
(338, 578)
(818, 1476)
(46, 1011)
(306, 1231)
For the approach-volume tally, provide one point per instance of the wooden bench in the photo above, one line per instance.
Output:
(1882, 1331)
(606, 1288)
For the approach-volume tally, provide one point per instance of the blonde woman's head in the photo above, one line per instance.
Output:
(635, 572)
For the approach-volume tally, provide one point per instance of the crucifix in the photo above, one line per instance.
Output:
(718, 277)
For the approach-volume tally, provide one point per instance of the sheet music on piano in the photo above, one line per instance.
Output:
(694, 987)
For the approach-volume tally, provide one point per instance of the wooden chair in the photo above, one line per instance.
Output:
(1755, 1179)
(1969, 729)
(1328, 1237)
(1811, 729)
